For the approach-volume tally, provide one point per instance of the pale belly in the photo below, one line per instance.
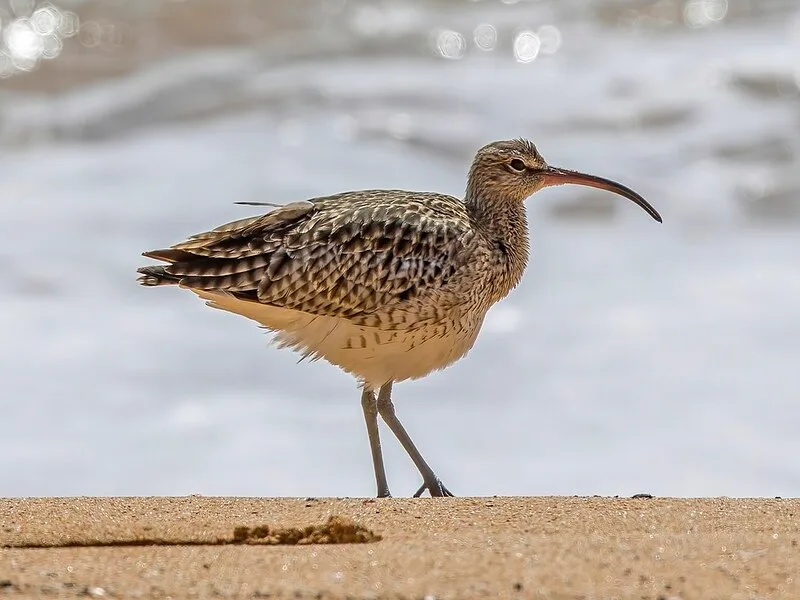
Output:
(374, 355)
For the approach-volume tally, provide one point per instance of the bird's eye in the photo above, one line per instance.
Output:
(517, 165)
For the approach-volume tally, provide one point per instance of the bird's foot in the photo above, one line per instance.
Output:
(436, 489)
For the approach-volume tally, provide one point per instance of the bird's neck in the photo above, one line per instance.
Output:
(504, 224)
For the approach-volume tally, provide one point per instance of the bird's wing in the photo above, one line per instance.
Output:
(342, 255)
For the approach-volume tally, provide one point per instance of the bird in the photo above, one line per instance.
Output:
(389, 285)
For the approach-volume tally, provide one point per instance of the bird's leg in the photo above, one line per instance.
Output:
(370, 406)
(386, 409)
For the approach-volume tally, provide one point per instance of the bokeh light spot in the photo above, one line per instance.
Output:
(37, 33)
(450, 44)
(550, 39)
(22, 41)
(526, 46)
(68, 24)
(52, 45)
(485, 36)
(45, 20)
(702, 13)
(90, 34)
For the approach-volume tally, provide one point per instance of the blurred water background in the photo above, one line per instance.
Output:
(632, 358)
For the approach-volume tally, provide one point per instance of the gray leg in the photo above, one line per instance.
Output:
(386, 409)
(370, 406)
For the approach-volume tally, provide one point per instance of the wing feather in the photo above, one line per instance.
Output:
(344, 255)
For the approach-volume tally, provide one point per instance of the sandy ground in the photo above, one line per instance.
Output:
(570, 548)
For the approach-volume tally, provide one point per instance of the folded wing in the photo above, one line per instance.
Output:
(342, 255)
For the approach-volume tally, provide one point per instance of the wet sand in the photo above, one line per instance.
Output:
(548, 547)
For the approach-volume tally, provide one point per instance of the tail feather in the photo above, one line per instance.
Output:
(170, 255)
(152, 276)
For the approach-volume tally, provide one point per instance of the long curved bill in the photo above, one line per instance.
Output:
(554, 176)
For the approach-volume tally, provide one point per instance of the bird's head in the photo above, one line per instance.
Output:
(514, 170)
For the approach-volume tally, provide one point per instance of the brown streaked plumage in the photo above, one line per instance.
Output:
(389, 285)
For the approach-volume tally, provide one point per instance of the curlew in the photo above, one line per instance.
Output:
(388, 285)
